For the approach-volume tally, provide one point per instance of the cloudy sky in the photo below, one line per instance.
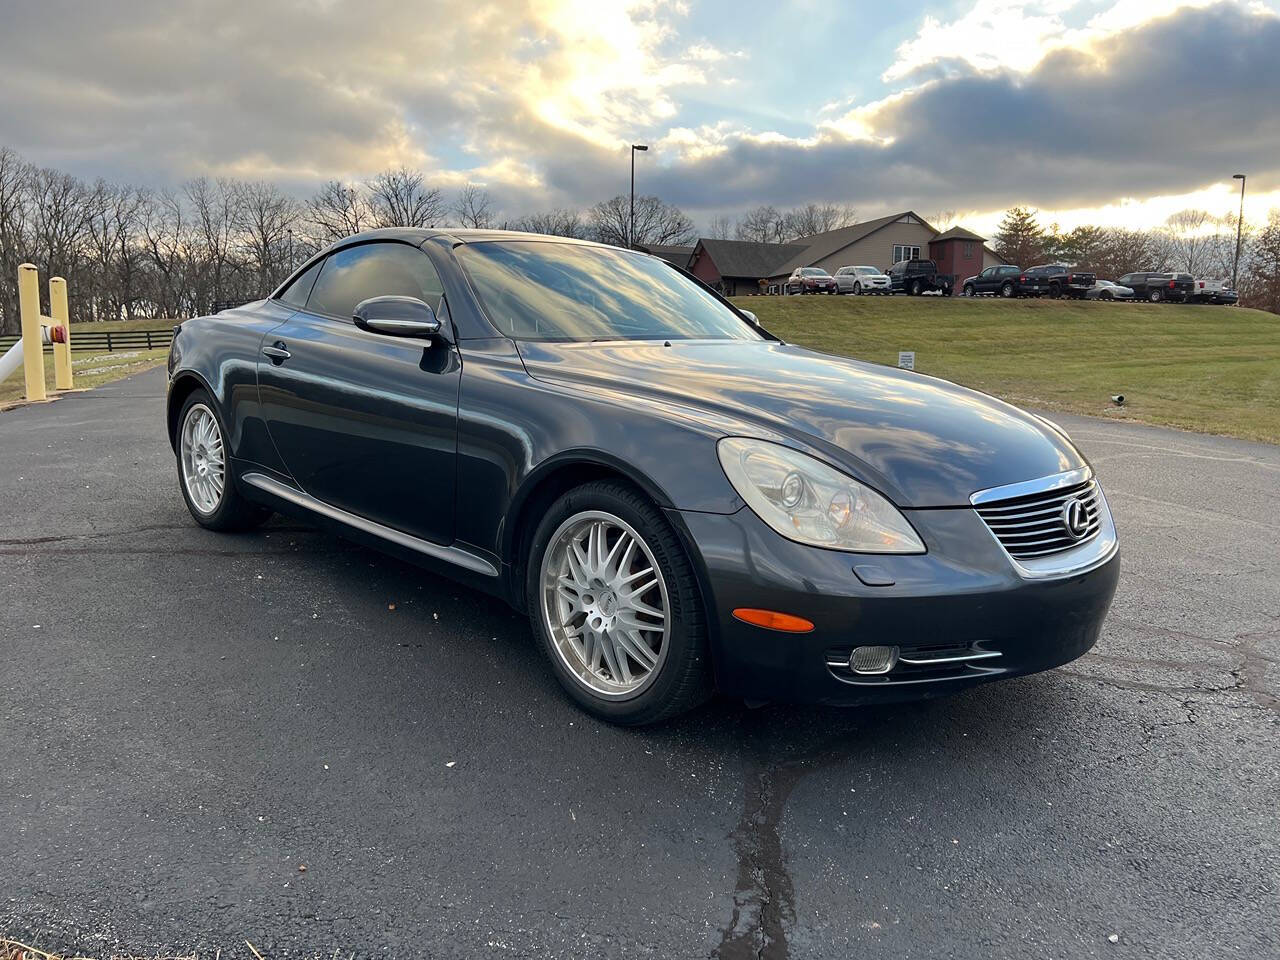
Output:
(1116, 111)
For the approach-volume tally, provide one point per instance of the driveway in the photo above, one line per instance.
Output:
(188, 720)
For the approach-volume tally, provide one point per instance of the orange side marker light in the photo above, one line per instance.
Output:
(773, 620)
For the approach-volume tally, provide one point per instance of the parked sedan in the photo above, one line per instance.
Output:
(1109, 290)
(680, 501)
(810, 280)
(860, 280)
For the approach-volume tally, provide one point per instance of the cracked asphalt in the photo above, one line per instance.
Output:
(188, 719)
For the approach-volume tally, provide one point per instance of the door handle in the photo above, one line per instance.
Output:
(277, 352)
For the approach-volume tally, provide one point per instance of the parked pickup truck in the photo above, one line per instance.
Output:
(915, 277)
(1054, 280)
(1213, 291)
(1159, 286)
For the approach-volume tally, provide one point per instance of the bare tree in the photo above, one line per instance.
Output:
(15, 230)
(1190, 238)
(114, 230)
(474, 207)
(401, 198)
(655, 222)
(762, 225)
(266, 215)
(815, 218)
(719, 228)
(215, 211)
(338, 210)
(556, 223)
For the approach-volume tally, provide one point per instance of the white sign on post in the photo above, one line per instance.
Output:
(907, 359)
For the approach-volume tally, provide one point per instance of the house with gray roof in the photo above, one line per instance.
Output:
(737, 267)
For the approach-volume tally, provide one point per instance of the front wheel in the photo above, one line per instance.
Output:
(857, 289)
(203, 470)
(613, 600)
(969, 291)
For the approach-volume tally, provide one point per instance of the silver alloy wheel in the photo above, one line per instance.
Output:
(604, 604)
(203, 461)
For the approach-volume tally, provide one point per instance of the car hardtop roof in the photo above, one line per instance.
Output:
(419, 235)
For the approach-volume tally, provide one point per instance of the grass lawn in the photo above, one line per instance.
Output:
(1206, 368)
(87, 370)
(116, 326)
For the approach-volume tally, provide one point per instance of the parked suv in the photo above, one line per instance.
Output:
(918, 276)
(810, 280)
(1159, 286)
(859, 280)
(1054, 280)
(1000, 280)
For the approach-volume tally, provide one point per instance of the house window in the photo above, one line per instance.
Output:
(903, 251)
(968, 249)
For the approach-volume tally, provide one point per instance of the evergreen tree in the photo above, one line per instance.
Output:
(1020, 239)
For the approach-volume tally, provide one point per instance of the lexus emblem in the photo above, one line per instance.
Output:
(1075, 519)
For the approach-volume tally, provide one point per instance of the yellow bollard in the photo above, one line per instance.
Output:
(32, 340)
(60, 315)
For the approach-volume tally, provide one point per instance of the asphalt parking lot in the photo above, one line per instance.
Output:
(188, 719)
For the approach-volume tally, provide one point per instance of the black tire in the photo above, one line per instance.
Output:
(684, 678)
(1156, 295)
(1006, 291)
(1055, 291)
(915, 288)
(857, 289)
(969, 291)
(1105, 296)
(233, 513)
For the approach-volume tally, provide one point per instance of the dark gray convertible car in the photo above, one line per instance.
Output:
(681, 501)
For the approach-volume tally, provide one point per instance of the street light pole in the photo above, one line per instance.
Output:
(1235, 263)
(631, 229)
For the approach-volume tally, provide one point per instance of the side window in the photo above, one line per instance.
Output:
(373, 270)
(296, 293)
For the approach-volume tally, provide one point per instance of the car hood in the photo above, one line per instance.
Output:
(921, 441)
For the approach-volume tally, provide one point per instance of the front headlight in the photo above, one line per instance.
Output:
(807, 501)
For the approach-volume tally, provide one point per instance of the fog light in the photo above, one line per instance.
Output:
(867, 660)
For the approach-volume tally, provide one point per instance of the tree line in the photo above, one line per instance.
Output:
(132, 252)
(1190, 241)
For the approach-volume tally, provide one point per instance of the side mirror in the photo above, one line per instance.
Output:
(397, 317)
(755, 321)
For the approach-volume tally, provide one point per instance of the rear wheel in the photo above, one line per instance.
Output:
(204, 474)
(613, 600)
(916, 288)
(1156, 295)
(1006, 290)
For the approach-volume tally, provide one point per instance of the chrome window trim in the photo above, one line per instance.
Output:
(1095, 552)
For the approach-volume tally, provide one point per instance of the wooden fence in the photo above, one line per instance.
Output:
(109, 341)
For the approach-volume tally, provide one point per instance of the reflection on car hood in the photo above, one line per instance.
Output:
(923, 442)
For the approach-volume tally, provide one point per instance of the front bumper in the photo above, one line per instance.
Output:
(947, 608)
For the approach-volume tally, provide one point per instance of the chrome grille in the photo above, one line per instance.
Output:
(1033, 526)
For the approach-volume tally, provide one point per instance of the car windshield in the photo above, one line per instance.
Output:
(813, 272)
(866, 271)
(540, 290)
